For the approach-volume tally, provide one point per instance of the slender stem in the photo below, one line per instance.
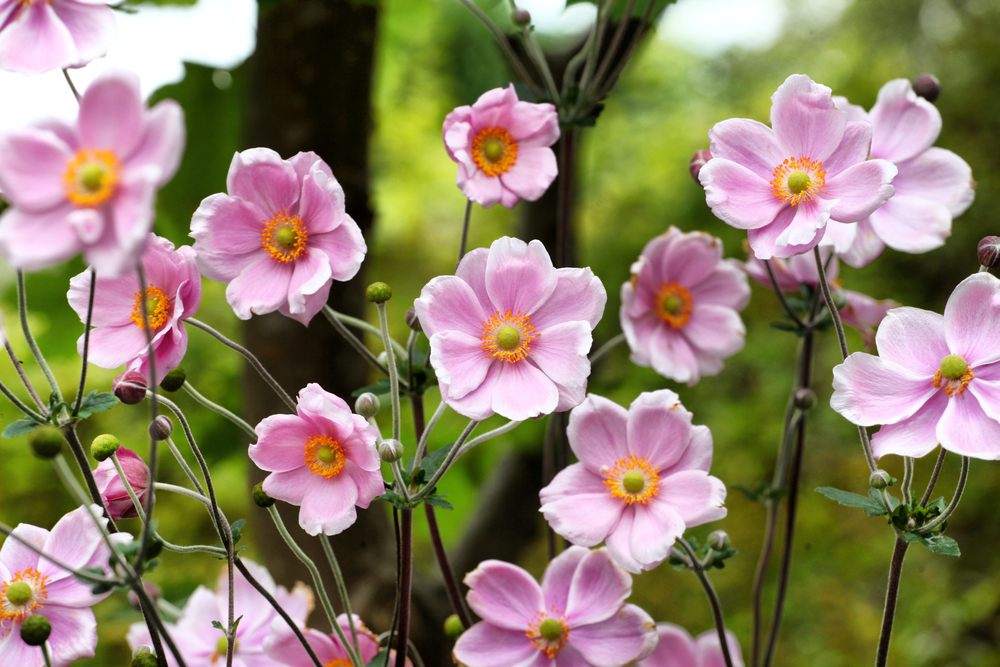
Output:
(20, 405)
(781, 295)
(615, 43)
(501, 40)
(128, 487)
(564, 203)
(907, 480)
(390, 354)
(549, 472)
(607, 347)
(86, 338)
(963, 477)
(338, 576)
(422, 444)
(405, 577)
(541, 63)
(147, 604)
(147, 524)
(185, 467)
(249, 356)
(358, 346)
(399, 570)
(24, 377)
(639, 32)
(22, 311)
(456, 451)
(364, 326)
(770, 531)
(934, 477)
(465, 233)
(181, 491)
(891, 597)
(215, 407)
(450, 584)
(76, 447)
(713, 599)
(489, 435)
(45, 654)
(154, 636)
(593, 54)
(76, 93)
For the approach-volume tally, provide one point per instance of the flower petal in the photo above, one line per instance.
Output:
(905, 124)
(853, 149)
(448, 303)
(659, 427)
(805, 121)
(725, 286)
(558, 577)
(796, 230)
(328, 506)
(532, 174)
(655, 528)
(860, 189)
(972, 319)
(870, 390)
(460, 361)
(598, 590)
(578, 295)
(710, 649)
(626, 637)
(914, 339)
(939, 175)
(915, 436)
(260, 288)
(32, 164)
(696, 496)
(20, 231)
(504, 595)
(281, 443)
(112, 112)
(487, 645)
(522, 392)
(619, 542)
(597, 433)
(519, 276)
(966, 429)
(36, 41)
(577, 506)
(259, 175)
(715, 330)
(561, 353)
(674, 649)
(738, 196)
(748, 143)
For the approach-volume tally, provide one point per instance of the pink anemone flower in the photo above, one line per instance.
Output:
(676, 648)
(203, 645)
(113, 491)
(933, 184)
(323, 459)
(89, 186)
(280, 237)
(509, 333)
(284, 647)
(785, 182)
(173, 293)
(680, 309)
(578, 615)
(31, 584)
(642, 479)
(936, 379)
(56, 34)
(502, 149)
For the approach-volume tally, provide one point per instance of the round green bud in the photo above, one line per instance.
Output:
(799, 182)
(953, 367)
(453, 626)
(390, 450)
(633, 482)
(19, 593)
(718, 540)
(46, 442)
(146, 659)
(367, 405)
(261, 499)
(35, 630)
(551, 629)
(104, 446)
(879, 479)
(174, 380)
(378, 293)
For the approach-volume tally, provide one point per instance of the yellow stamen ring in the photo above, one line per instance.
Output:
(23, 595)
(494, 151)
(91, 177)
(157, 307)
(633, 479)
(798, 180)
(953, 376)
(674, 304)
(284, 237)
(508, 336)
(549, 632)
(324, 456)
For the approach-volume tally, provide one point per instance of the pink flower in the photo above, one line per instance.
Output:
(676, 648)
(323, 459)
(113, 492)
(38, 36)
(784, 184)
(30, 585)
(641, 481)
(286, 649)
(679, 310)
(502, 149)
(280, 237)
(859, 310)
(118, 337)
(202, 645)
(509, 333)
(89, 187)
(576, 617)
(937, 379)
(933, 184)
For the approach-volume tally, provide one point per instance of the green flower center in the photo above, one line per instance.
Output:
(222, 646)
(799, 182)
(633, 482)
(672, 304)
(493, 150)
(326, 454)
(550, 629)
(953, 367)
(19, 593)
(508, 337)
(92, 176)
(286, 236)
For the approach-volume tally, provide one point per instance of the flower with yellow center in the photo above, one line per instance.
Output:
(324, 456)
(91, 177)
(798, 180)
(633, 479)
(953, 376)
(494, 151)
(284, 237)
(508, 336)
(549, 632)
(157, 307)
(674, 304)
(23, 595)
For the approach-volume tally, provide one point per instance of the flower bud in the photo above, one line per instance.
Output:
(879, 479)
(367, 405)
(104, 446)
(35, 630)
(698, 161)
(521, 17)
(152, 590)
(143, 656)
(453, 626)
(46, 442)
(927, 86)
(161, 428)
(390, 450)
(989, 252)
(719, 540)
(261, 499)
(804, 398)
(112, 489)
(130, 387)
(378, 293)
(174, 380)
(411, 319)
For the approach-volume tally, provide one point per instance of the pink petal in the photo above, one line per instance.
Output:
(725, 286)
(710, 649)
(260, 288)
(696, 496)
(865, 244)
(696, 456)
(577, 505)
(558, 577)
(286, 649)
(504, 595)
(522, 391)
(311, 275)
(15, 556)
(561, 352)
(459, 361)
(863, 312)
(598, 590)
(912, 224)
(966, 429)
(162, 142)
(597, 433)
(532, 174)
(328, 506)
(987, 393)
(619, 542)
(627, 636)
(905, 124)
(671, 356)
(914, 339)
(870, 390)
(281, 443)
(477, 404)
(940, 176)
(74, 634)
(360, 446)
(369, 483)
(328, 412)
(321, 202)
(915, 436)
(74, 540)
(472, 269)
(112, 112)
(738, 196)
(748, 143)
(797, 229)
(674, 649)
(715, 330)
(853, 149)
(227, 236)
(92, 26)
(861, 189)
(519, 276)
(448, 303)
(109, 298)
(260, 175)
(486, 645)
(805, 122)
(20, 231)
(344, 247)
(112, 346)
(659, 427)
(36, 41)
(578, 295)
(688, 260)
(289, 485)
(480, 188)
(655, 528)
(32, 164)
(532, 124)
(972, 319)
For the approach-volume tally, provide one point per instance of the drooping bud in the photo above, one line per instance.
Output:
(113, 490)
(453, 626)
(390, 450)
(161, 428)
(143, 656)
(130, 387)
(104, 446)
(378, 293)
(35, 630)
(411, 319)
(367, 405)
(174, 380)
(989, 252)
(521, 17)
(879, 479)
(46, 442)
(719, 540)
(152, 590)
(804, 398)
(261, 499)
(927, 86)
(698, 160)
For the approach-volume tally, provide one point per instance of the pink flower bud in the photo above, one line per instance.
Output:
(130, 387)
(989, 252)
(698, 161)
(113, 492)
(927, 86)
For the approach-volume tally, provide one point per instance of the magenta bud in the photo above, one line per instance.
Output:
(698, 161)
(927, 86)
(130, 387)
(989, 252)
(161, 428)
(521, 17)
(152, 590)
(411, 319)
(113, 491)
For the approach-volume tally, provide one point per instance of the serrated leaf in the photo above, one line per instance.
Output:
(430, 463)
(395, 499)
(237, 530)
(848, 499)
(20, 427)
(96, 402)
(939, 544)
(218, 626)
(439, 501)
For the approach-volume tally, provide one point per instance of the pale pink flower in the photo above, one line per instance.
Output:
(172, 294)
(502, 149)
(113, 491)
(859, 310)
(89, 186)
(641, 481)
(680, 309)
(676, 648)
(30, 585)
(285, 648)
(509, 333)
(784, 184)
(203, 645)
(280, 237)
(936, 379)
(323, 459)
(37, 36)
(578, 615)
(933, 184)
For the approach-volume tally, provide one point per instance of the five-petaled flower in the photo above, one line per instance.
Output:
(41, 35)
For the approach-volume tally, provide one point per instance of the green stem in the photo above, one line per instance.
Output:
(907, 480)
(607, 347)
(364, 326)
(218, 409)
(891, 598)
(19, 367)
(713, 599)
(338, 576)
(963, 477)
(22, 311)
(393, 372)
(504, 45)
(465, 233)
(86, 341)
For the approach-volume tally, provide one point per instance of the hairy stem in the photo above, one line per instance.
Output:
(404, 585)
(86, 339)
(338, 576)
(465, 233)
(22, 311)
(218, 409)
(713, 599)
(891, 597)
(19, 367)
(934, 477)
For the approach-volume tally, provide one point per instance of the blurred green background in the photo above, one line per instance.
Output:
(634, 184)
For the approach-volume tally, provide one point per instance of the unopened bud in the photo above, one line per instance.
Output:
(104, 446)
(927, 86)
(879, 480)
(261, 499)
(698, 161)
(989, 252)
(411, 319)
(46, 442)
(152, 590)
(521, 17)
(804, 398)
(130, 387)
(143, 656)
(161, 428)
(453, 626)
(35, 630)
(390, 450)
(378, 293)
(367, 405)
(719, 540)
(174, 380)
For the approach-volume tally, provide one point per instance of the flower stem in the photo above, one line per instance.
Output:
(465, 233)
(564, 205)
(489, 435)
(128, 487)
(456, 451)
(963, 477)
(390, 354)
(907, 480)
(364, 326)
(616, 41)
(450, 584)
(781, 296)
(22, 311)
(20, 405)
(86, 339)
(24, 377)
(610, 81)
(72, 87)
(713, 599)
(405, 577)
(934, 477)
(422, 444)
(88, 475)
(338, 576)
(358, 346)
(45, 654)
(607, 347)
(184, 466)
(891, 597)
(501, 40)
(215, 407)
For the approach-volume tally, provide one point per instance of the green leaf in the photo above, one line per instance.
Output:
(939, 544)
(438, 501)
(380, 388)
(237, 530)
(762, 492)
(96, 571)
(96, 402)
(20, 427)
(379, 660)
(848, 499)
(395, 499)
(430, 463)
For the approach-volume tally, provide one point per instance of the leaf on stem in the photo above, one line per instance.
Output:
(871, 506)
(20, 427)
(95, 402)
(939, 544)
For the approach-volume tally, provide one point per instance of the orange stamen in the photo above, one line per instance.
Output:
(284, 237)
(673, 304)
(91, 177)
(953, 387)
(494, 151)
(633, 465)
(550, 647)
(17, 613)
(508, 336)
(324, 456)
(157, 307)
(814, 183)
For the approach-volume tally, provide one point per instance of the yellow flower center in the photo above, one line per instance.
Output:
(633, 479)
(673, 304)
(797, 180)
(508, 336)
(284, 237)
(157, 307)
(324, 456)
(494, 151)
(549, 632)
(338, 662)
(23, 595)
(953, 376)
(91, 177)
